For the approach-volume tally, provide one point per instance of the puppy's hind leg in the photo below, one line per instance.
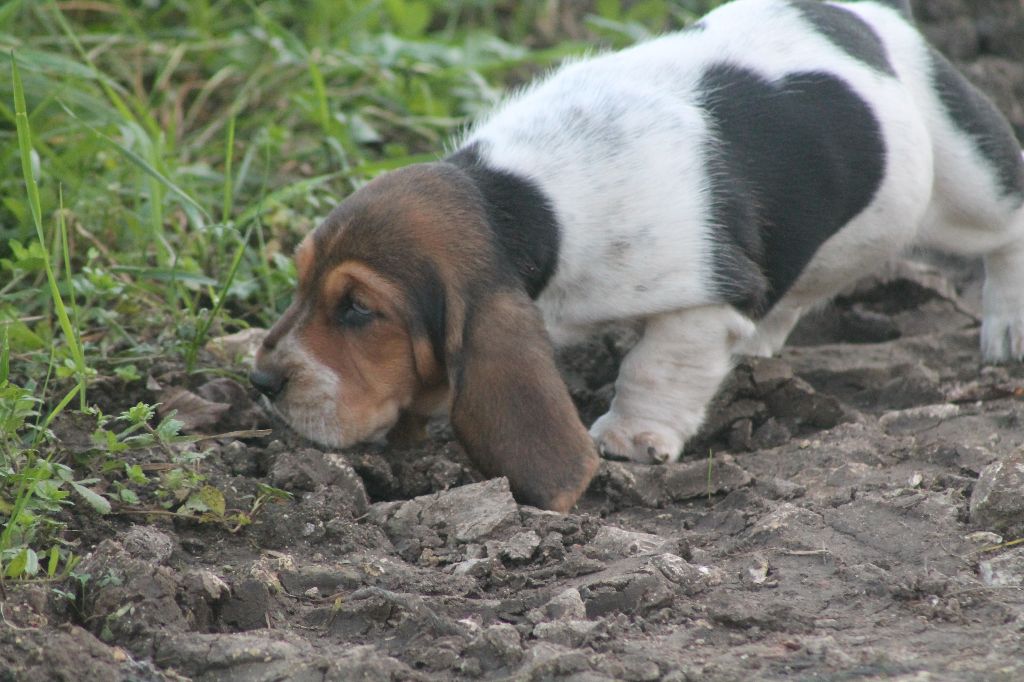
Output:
(666, 381)
(772, 331)
(1002, 325)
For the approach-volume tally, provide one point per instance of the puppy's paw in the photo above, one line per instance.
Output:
(638, 440)
(1002, 337)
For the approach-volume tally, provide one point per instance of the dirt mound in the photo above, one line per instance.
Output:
(836, 517)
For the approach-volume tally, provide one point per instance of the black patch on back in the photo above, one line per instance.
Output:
(974, 114)
(848, 32)
(794, 161)
(739, 256)
(521, 218)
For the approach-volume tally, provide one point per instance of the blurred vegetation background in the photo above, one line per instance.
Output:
(164, 131)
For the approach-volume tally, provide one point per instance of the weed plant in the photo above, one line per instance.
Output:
(158, 163)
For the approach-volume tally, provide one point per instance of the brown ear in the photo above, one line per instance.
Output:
(510, 408)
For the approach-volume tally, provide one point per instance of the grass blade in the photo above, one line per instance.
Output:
(5, 356)
(229, 190)
(25, 148)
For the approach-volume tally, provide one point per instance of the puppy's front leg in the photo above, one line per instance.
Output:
(666, 381)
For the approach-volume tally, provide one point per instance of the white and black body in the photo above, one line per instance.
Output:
(717, 182)
(710, 185)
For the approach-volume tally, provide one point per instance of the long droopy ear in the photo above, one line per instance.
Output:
(510, 408)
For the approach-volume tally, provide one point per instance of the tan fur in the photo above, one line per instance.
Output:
(375, 362)
(304, 256)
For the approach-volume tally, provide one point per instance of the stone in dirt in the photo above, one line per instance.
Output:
(1005, 570)
(654, 486)
(915, 419)
(612, 542)
(326, 580)
(636, 593)
(769, 373)
(566, 605)
(997, 503)
(641, 585)
(148, 543)
(572, 633)
(497, 646)
(469, 513)
(520, 547)
(268, 658)
(308, 469)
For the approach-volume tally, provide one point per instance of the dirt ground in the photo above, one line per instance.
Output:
(837, 519)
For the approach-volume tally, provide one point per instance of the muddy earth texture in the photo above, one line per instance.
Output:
(847, 513)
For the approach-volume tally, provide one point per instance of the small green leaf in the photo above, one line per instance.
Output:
(138, 414)
(53, 562)
(135, 474)
(127, 373)
(169, 428)
(25, 564)
(206, 499)
(95, 500)
(31, 562)
(17, 565)
(272, 492)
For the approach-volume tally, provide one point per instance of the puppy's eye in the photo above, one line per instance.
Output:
(352, 313)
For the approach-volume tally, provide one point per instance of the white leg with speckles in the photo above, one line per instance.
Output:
(666, 381)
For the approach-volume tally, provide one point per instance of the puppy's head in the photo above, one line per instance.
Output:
(405, 301)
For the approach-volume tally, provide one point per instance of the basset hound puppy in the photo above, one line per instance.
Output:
(710, 184)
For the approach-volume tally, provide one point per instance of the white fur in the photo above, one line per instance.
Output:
(309, 402)
(634, 207)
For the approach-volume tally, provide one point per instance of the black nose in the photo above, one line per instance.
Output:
(269, 383)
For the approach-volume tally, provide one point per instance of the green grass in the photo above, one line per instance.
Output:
(157, 166)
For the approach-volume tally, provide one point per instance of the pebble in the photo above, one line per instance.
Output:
(468, 514)
(567, 605)
(146, 543)
(612, 542)
(916, 419)
(1005, 570)
(997, 503)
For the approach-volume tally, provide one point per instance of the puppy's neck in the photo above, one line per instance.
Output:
(521, 217)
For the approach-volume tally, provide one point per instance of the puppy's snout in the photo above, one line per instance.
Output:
(268, 382)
